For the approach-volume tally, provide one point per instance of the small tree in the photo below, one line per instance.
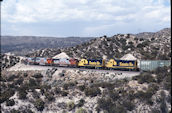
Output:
(71, 105)
(92, 91)
(39, 104)
(10, 102)
(81, 103)
(81, 110)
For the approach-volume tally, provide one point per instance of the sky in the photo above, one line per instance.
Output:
(85, 18)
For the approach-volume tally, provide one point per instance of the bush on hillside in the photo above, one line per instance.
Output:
(109, 106)
(69, 84)
(70, 105)
(104, 103)
(129, 105)
(37, 75)
(39, 104)
(81, 103)
(92, 91)
(81, 110)
(15, 111)
(81, 87)
(114, 95)
(64, 93)
(12, 77)
(22, 94)
(57, 90)
(49, 96)
(144, 78)
(4, 96)
(10, 102)
(19, 81)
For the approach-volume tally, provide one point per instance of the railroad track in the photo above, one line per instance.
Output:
(86, 69)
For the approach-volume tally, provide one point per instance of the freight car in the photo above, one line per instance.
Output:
(65, 62)
(39, 61)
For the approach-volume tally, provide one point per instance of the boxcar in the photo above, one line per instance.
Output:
(61, 62)
(43, 61)
(30, 60)
(55, 62)
(49, 61)
(73, 62)
(37, 60)
(121, 64)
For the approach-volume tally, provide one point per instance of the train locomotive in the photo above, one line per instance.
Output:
(112, 64)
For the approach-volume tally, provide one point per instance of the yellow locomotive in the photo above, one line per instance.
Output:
(90, 63)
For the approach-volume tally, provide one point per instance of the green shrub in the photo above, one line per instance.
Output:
(81, 110)
(64, 93)
(103, 85)
(167, 82)
(19, 81)
(105, 103)
(38, 75)
(33, 84)
(49, 96)
(118, 109)
(150, 102)
(45, 88)
(154, 87)
(6, 95)
(131, 95)
(129, 105)
(39, 104)
(140, 46)
(22, 94)
(69, 84)
(12, 85)
(57, 90)
(61, 74)
(25, 74)
(15, 111)
(92, 91)
(35, 95)
(81, 103)
(27, 111)
(145, 95)
(131, 43)
(81, 87)
(146, 77)
(70, 105)
(163, 107)
(154, 110)
(10, 102)
(11, 77)
(114, 95)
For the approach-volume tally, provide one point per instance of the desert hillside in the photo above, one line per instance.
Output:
(152, 46)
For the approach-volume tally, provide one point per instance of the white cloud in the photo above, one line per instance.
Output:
(59, 10)
(108, 13)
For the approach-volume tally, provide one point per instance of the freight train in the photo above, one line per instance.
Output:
(112, 64)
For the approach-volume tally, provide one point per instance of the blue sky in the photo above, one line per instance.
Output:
(63, 18)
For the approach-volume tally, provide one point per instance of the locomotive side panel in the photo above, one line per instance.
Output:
(91, 63)
(121, 64)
